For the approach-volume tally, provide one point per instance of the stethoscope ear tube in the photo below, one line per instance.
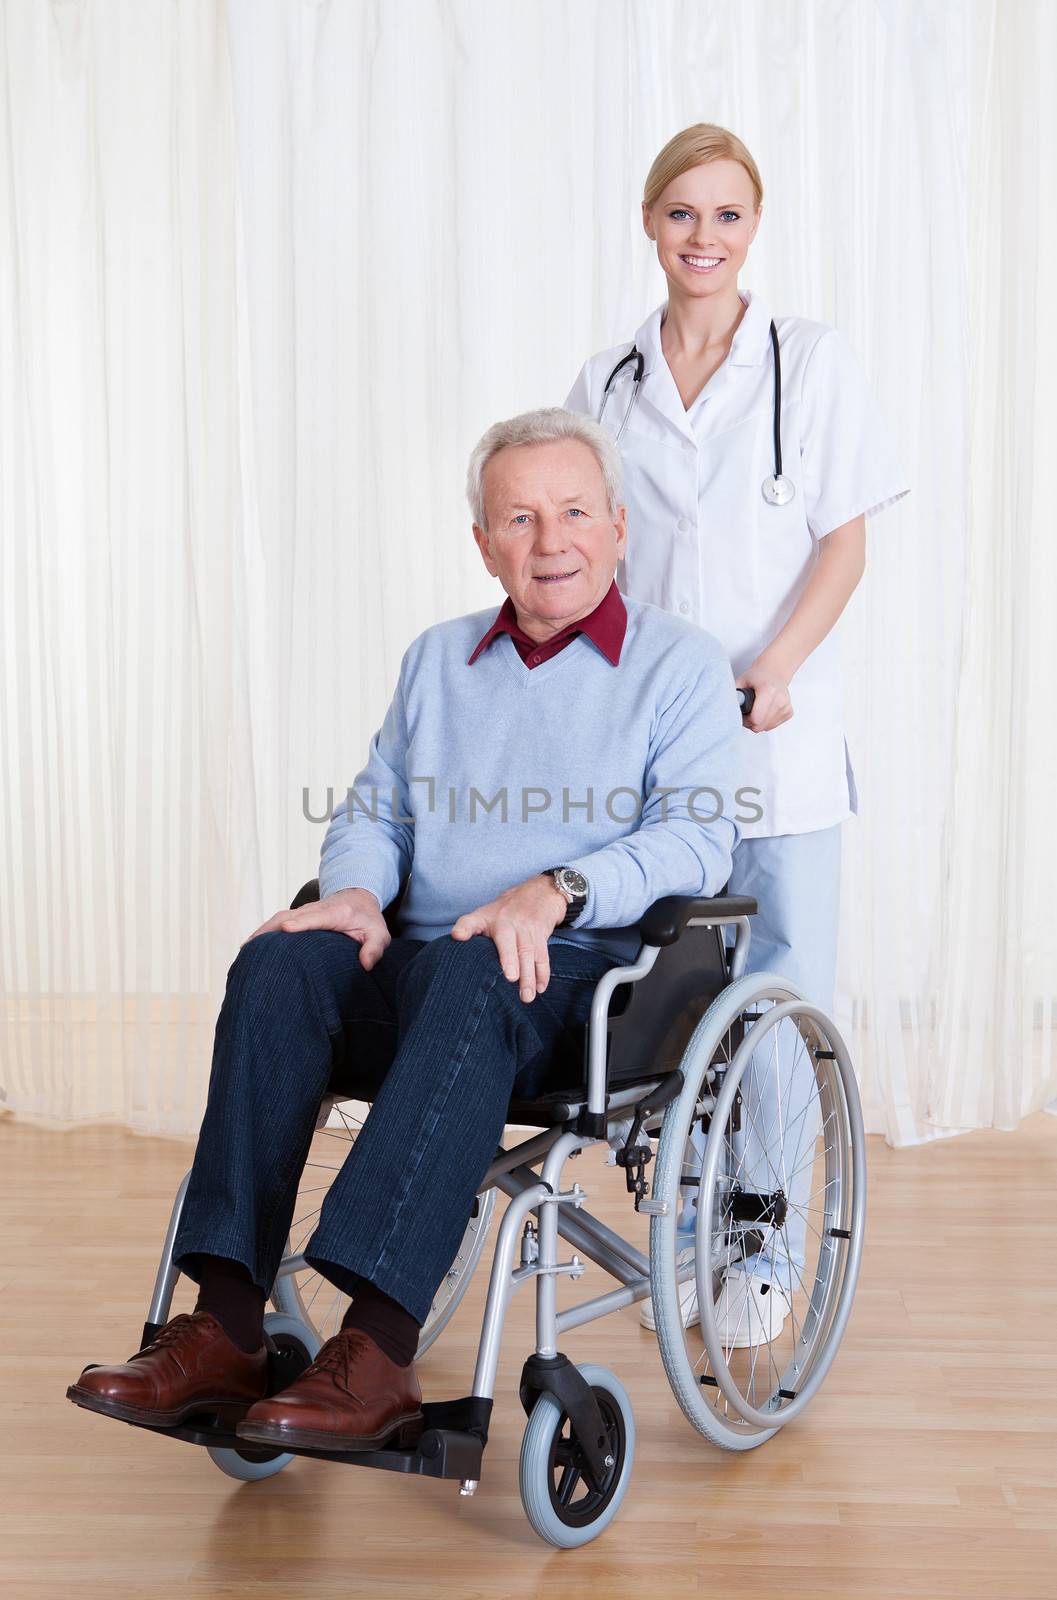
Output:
(777, 490)
(634, 356)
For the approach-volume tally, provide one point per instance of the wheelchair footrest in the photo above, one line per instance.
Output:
(204, 1430)
(440, 1453)
(451, 1444)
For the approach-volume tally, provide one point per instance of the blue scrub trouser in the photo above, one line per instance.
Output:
(795, 880)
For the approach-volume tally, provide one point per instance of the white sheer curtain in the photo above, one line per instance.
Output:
(125, 852)
(269, 269)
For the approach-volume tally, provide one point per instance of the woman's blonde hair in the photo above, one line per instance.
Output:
(705, 141)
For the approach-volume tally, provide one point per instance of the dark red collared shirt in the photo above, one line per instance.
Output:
(605, 626)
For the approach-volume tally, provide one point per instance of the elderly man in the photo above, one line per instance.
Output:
(543, 775)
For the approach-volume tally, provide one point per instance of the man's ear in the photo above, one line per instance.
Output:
(620, 522)
(481, 537)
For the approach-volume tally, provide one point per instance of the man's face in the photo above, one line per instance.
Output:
(551, 540)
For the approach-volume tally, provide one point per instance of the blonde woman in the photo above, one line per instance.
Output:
(753, 452)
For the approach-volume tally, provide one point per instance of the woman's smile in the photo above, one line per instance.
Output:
(704, 264)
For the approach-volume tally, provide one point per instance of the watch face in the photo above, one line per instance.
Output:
(574, 881)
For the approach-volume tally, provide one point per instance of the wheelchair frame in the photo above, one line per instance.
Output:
(455, 1432)
(528, 1192)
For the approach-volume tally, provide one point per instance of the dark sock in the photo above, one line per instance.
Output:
(393, 1329)
(226, 1289)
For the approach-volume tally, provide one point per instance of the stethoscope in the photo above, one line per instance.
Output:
(777, 490)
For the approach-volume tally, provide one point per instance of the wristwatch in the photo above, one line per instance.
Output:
(573, 885)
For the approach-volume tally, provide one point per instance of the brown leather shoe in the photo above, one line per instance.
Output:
(190, 1366)
(352, 1397)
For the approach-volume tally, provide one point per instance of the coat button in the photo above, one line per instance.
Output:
(683, 524)
(683, 607)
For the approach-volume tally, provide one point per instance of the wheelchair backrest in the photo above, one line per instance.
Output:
(650, 1022)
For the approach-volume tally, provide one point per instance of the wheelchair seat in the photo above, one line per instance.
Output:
(649, 1021)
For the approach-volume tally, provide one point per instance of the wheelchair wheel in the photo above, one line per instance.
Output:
(296, 1345)
(563, 1506)
(781, 1190)
(309, 1298)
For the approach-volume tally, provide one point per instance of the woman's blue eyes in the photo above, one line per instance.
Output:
(679, 212)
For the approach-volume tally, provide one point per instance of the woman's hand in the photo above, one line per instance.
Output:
(772, 706)
(519, 922)
(352, 911)
(841, 563)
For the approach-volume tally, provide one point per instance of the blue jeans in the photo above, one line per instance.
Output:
(448, 1040)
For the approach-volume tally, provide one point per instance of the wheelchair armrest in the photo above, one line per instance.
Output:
(662, 924)
(667, 918)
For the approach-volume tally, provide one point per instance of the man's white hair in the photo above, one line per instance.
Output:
(545, 426)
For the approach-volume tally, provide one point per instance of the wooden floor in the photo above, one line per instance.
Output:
(926, 1467)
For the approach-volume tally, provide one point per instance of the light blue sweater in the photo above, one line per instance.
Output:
(482, 775)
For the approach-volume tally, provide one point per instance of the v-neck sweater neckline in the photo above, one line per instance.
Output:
(526, 675)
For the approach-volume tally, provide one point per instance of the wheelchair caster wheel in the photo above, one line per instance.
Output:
(296, 1346)
(562, 1504)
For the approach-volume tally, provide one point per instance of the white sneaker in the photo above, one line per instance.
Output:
(750, 1310)
(687, 1298)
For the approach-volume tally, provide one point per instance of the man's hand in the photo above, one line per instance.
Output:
(352, 911)
(772, 705)
(519, 922)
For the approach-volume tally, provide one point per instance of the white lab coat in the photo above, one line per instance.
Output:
(703, 542)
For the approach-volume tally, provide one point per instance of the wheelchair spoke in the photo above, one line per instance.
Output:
(567, 1483)
(332, 1317)
(767, 1139)
(312, 1298)
(808, 1105)
(754, 1357)
(792, 1070)
(769, 1343)
(352, 1124)
(742, 1315)
(813, 1155)
(798, 1332)
(820, 1190)
(308, 1217)
(776, 1180)
(778, 1097)
(813, 1103)
(763, 1370)
(792, 1074)
(801, 1125)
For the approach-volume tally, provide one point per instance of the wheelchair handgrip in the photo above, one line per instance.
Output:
(746, 699)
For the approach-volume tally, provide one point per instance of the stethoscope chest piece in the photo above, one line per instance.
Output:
(779, 490)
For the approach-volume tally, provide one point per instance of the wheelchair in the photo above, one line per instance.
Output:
(674, 1051)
